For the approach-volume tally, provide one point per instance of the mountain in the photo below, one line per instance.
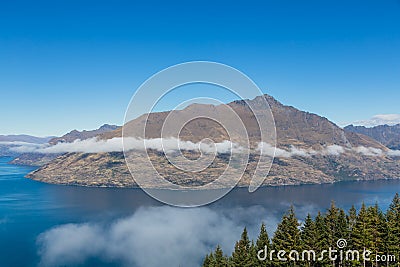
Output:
(82, 135)
(385, 134)
(39, 159)
(305, 131)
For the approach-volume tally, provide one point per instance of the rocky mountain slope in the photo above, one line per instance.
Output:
(308, 132)
(385, 134)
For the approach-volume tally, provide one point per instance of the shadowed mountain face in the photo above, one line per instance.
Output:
(385, 134)
(294, 128)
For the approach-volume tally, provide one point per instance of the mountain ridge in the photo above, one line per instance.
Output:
(388, 135)
(83, 135)
(294, 128)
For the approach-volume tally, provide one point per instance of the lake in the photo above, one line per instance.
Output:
(50, 225)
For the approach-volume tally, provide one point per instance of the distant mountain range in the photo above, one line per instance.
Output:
(39, 159)
(361, 157)
(385, 134)
(25, 138)
(7, 141)
(83, 135)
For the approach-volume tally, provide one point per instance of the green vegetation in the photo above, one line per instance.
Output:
(369, 229)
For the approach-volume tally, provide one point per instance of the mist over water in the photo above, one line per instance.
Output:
(54, 225)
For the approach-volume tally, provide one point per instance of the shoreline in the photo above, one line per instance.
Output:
(221, 188)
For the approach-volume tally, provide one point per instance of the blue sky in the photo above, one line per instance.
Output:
(75, 64)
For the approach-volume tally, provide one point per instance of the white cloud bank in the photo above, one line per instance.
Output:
(168, 145)
(333, 150)
(94, 145)
(380, 119)
(157, 236)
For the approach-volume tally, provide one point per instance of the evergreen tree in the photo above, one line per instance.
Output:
(240, 255)
(342, 225)
(331, 224)
(351, 222)
(308, 238)
(252, 260)
(321, 237)
(262, 242)
(360, 234)
(287, 237)
(370, 229)
(393, 232)
(376, 231)
(219, 259)
(208, 260)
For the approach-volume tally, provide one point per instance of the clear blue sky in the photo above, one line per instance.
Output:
(75, 64)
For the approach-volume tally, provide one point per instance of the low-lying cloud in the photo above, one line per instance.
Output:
(167, 145)
(158, 236)
(154, 236)
(369, 151)
(394, 153)
(95, 145)
(331, 150)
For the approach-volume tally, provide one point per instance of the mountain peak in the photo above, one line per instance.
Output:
(295, 129)
(82, 135)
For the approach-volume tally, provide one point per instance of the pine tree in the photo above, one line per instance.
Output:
(342, 225)
(351, 222)
(208, 260)
(308, 238)
(240, 255)
(321, 238)
(252, 260)
(360, 234)
(393, 224)
(219, 259)
(375, 231)
(287, 237)
(262, 242)
(370, 229)
(331, 221)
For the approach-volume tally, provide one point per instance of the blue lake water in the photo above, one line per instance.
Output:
(43, 224)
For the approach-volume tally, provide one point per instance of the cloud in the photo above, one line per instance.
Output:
(380, 119)
(267, 149)
(394, 153)
(156, 236)
(333, 150)
(95, 145)
(368, 151)
(169, 145)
